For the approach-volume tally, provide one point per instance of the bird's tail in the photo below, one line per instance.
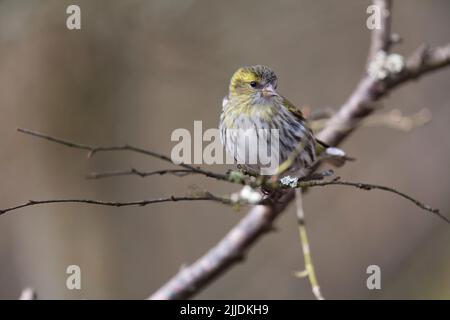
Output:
(335, 156)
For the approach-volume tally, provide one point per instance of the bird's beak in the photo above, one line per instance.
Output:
(269, 91)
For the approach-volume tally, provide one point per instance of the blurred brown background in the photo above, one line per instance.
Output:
(140, 69)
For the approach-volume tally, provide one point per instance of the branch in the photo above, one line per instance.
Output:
(316, 180)
(193, 278)
(370, 90)
(94, 150)
(227, 252)
(232, 248)
(396, 120)
(309, 270)
(393, 119)
(367, 186)
(381, 39)
(424, 60)
(142, 174)
(141, 203)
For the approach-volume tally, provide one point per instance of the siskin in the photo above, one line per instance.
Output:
(252, 104)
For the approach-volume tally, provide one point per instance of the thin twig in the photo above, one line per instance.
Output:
(309, 270)
(141, 203)
(396, 120)
(393, 119)
(142, 174)
(309, 182)
(304, 184)
(367, 186)
(94, 150)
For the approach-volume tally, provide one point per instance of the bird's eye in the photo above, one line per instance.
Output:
(253, 84)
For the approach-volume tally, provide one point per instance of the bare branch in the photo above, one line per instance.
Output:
(93, 150)
(367, 186)
(393, 119)
(142, 174)
(424, 60)
(381, 37)
(363, 100)
(141, 203)
(315, 179)
(228, 251)
(233, 246)
(309, 270)
(396, 120)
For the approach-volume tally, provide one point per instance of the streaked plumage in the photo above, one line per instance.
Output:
(253, 103)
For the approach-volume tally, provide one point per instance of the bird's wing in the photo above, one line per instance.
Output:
(293, 109)
(335, 156)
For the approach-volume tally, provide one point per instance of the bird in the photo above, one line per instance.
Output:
(252, 110)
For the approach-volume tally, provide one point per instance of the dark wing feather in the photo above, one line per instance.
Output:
(293, 109)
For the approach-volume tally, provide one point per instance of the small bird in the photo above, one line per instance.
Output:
(252, 104)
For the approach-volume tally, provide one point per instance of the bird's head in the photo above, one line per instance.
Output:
(257, 82)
